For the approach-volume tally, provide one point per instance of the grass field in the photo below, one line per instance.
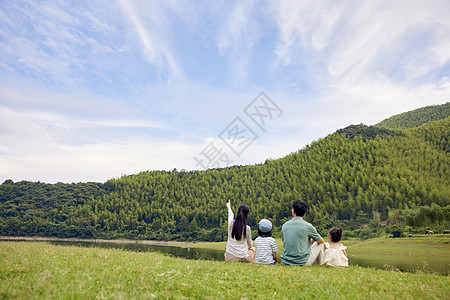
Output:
(41, 270)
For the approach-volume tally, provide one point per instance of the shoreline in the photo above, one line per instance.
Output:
(116, 241)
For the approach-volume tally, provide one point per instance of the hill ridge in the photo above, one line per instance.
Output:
(416, 117)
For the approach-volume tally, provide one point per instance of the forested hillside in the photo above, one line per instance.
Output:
(356, 176)
(416, 117)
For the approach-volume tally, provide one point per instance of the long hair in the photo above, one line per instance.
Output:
(240, 223)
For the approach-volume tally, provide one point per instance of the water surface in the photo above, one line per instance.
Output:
(183, 252)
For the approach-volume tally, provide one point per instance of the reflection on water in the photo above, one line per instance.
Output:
(184, 252)
(440, 265)
(428, 264)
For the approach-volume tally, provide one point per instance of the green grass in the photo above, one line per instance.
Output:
(30, 270)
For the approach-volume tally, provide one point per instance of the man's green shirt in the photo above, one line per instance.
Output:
(296, 241)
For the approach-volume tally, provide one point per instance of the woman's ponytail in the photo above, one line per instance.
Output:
(240, 223)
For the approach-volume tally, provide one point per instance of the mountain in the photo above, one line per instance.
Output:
(355, 175)
(416, 117)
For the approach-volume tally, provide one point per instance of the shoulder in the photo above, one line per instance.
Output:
(286, 223)
(291, 222)
(310, 226)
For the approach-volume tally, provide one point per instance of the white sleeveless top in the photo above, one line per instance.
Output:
(334, 257)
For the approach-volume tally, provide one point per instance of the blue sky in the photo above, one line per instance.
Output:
(91, 90)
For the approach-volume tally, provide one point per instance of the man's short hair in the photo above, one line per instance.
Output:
(300, 207)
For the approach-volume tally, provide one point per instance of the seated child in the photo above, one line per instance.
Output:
(266, 247)
(334, 252)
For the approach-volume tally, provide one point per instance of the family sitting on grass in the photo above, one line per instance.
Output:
(302, 245)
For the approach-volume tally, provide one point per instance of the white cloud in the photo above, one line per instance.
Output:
(380, 36)
(239, 31)
(94, 162)
(305, 24)
(58, 42)
(364, 38)
(152, 25)
(51, 148)
(239, 28)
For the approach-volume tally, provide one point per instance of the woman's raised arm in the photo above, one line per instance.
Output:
(230, 213)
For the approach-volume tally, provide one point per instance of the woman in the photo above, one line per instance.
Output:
(239, 244)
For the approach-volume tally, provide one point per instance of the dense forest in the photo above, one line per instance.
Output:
(358, 178)
(416, 117)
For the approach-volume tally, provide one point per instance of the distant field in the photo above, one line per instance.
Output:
(419, 253)
(45, 271)
(440, 244)
(437, 245)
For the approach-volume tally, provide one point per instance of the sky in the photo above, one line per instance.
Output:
(94, 90)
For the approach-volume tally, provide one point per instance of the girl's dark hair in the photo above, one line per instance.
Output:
(335, 234)
(264, 234)
(240, 223)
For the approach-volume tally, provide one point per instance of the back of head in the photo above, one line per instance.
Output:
(240, 223)
(265, 228)
(300, 207)
(335, 234)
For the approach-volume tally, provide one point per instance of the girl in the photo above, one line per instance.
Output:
(239, 244)
(334, 254)
(266, 247)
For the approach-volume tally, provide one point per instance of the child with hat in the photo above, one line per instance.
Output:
(266, 247)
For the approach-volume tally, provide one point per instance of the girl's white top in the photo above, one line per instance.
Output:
(335, 257)
(235, 247)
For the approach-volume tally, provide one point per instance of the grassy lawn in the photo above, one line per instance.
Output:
(41, 270)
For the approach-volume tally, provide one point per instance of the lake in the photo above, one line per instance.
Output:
(428, 264)
(183, 252)
(425, 263)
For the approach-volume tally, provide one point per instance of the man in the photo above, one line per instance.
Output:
(297, 235)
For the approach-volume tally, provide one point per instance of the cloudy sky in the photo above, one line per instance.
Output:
(91, 90)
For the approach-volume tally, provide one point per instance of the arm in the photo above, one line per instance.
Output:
(230, 213)
(274, 250)
(249, 238)
(313, 234)
(228, 204)
(345, 253)
(319, 241)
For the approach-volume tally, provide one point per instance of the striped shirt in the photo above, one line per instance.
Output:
(265, 247)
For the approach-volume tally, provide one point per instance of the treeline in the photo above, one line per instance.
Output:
(432, 216)
(350, 181)
(367, 132)
(416, 117)
(36, 209)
